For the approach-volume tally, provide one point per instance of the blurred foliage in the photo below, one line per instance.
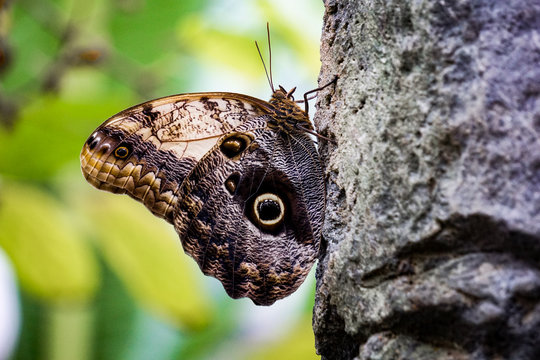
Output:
(99, 276)
(47, 136)
(52, 260)
(141, 253)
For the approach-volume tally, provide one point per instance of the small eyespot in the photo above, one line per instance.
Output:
(234, 144)
(121, 152)
(93, 141)
(268, 211)
(232, 183)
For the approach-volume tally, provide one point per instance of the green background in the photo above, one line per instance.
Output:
(98, 276)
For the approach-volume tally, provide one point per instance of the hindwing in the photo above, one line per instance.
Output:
(220, 227)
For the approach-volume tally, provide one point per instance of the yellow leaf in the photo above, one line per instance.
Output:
(211, 45)
(50, 256)
(297, 344)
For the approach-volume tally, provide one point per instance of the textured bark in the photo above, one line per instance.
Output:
(432, 236)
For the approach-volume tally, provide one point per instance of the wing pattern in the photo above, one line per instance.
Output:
(241, 183)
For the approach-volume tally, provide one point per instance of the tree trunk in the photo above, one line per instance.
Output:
(432, 235)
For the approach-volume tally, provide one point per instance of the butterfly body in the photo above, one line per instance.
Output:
(238, 177)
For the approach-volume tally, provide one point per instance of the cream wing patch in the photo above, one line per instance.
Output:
(188, 125)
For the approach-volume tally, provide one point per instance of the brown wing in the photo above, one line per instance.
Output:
(251, 211)
(147, 150)
(242, 185)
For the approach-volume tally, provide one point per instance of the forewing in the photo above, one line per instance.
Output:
(163, 139)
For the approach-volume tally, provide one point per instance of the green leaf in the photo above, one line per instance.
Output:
(31, 61)
(49, 134)
(145, 31)
(115, 318)
(51, 258)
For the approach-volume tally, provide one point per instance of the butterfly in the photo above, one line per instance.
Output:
(238, 177)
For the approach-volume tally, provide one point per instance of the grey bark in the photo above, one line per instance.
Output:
(432, 235)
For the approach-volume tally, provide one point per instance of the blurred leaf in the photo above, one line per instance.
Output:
(146, 30)
(49, 134)
(212, 45)
(199, 345)
(115, 317)
(297, 344)
(51, 258)
(33, 329)
(30, 61)
(69, 332)
(153, 338)
(148, 257)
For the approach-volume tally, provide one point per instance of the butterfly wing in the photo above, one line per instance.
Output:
(252, 217)
(147, 150)
(246, 198)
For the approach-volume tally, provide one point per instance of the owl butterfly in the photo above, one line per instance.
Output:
(238, 177)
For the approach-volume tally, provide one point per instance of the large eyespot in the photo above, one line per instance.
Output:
(121, 152)
(234, 144)
(268, 211)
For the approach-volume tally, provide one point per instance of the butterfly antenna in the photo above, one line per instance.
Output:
(264, 65)
(269, 54)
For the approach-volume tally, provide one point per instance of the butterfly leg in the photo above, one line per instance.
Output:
(334, 81)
